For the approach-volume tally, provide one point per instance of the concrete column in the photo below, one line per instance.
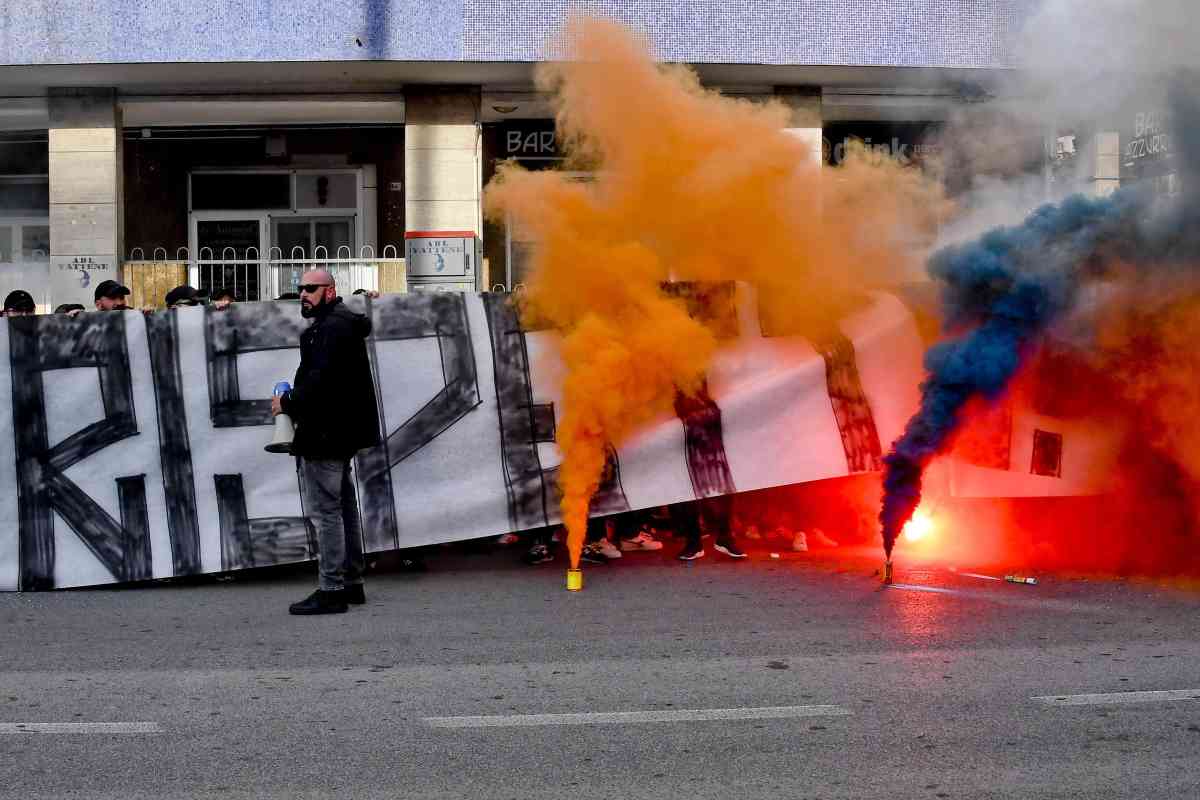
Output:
(86, 199)
(807, 119)
(442, 159)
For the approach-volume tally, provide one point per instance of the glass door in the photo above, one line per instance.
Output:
(301, 241)
(229, 253)
(25, 257)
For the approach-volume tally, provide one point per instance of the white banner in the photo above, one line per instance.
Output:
(137, 441)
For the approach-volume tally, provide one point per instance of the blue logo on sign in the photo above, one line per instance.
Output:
(441, 263)
(85, 278)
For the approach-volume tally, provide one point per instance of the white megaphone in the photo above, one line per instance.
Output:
(284, 430)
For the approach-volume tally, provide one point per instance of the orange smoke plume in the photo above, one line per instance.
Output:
(1147, 344)
(689, 186)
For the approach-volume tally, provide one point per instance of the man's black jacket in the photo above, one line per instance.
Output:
(332, 401)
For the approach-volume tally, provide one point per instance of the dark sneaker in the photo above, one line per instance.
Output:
(354, 594)
(691, 553)
(592, 554)
(729, 548)
(538, 554)
(320, 602)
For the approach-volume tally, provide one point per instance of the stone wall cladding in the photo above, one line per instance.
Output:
(900, 33)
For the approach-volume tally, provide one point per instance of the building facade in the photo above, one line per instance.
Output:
(236, 142)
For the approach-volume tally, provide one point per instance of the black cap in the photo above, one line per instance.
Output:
(110, 288)
(19, 300)
(223, 291)
(182, 294)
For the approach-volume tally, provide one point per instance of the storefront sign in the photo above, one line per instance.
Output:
(1146, 146)
(909, 143)
(529, 139)
(533, 143)
(73, 279)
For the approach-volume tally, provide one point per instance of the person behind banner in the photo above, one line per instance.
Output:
(183, 296)
(222, 298)
(694, 518)
(19, 303)
(110, 296)
(332, 403)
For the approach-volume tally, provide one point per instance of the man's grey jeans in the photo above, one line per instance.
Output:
(329, 501)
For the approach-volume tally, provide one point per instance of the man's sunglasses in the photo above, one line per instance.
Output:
(309, 288)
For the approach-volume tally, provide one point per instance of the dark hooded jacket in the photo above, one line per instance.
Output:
(332, 401)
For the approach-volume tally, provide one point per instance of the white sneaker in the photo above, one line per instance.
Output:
(643, 541)
(800, 543)
(608, 549)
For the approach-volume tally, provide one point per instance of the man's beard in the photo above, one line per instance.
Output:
(308, 310)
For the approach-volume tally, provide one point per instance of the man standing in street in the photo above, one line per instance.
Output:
(332, 405)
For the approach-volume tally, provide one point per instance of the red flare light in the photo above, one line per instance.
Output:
(921, 527)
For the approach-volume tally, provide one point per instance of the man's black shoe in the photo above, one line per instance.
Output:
(354, 594)
(320, 602)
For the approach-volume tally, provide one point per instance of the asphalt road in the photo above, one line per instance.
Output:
(484, 678)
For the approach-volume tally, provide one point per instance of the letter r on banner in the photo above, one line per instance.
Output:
(42, 343)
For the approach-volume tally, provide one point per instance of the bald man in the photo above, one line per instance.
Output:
(332, 404)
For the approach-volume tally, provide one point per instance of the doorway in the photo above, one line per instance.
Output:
(300, 220)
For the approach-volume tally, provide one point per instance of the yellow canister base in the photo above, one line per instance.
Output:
(574, 580)
(887, 572)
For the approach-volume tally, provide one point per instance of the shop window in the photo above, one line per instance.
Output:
(25, 195)
(239, 191)
(333, 190)
(334, 235)
(35, 242)
(25, 214)
(1047, 454)
(520, 244)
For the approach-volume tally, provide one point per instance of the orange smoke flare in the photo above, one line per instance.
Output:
(689, 185)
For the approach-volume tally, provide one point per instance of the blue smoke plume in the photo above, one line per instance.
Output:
(1002, 291)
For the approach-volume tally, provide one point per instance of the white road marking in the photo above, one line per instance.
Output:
(982, 577)
(912, 587)
(623, 717)
(79, 727)
(1113, 698)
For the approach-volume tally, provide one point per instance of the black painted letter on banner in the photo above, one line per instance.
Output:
(856, 423)
(440, 316)
(524, 424)
(704, 443)
(37, 345)
(175, 451)
(258, 542)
